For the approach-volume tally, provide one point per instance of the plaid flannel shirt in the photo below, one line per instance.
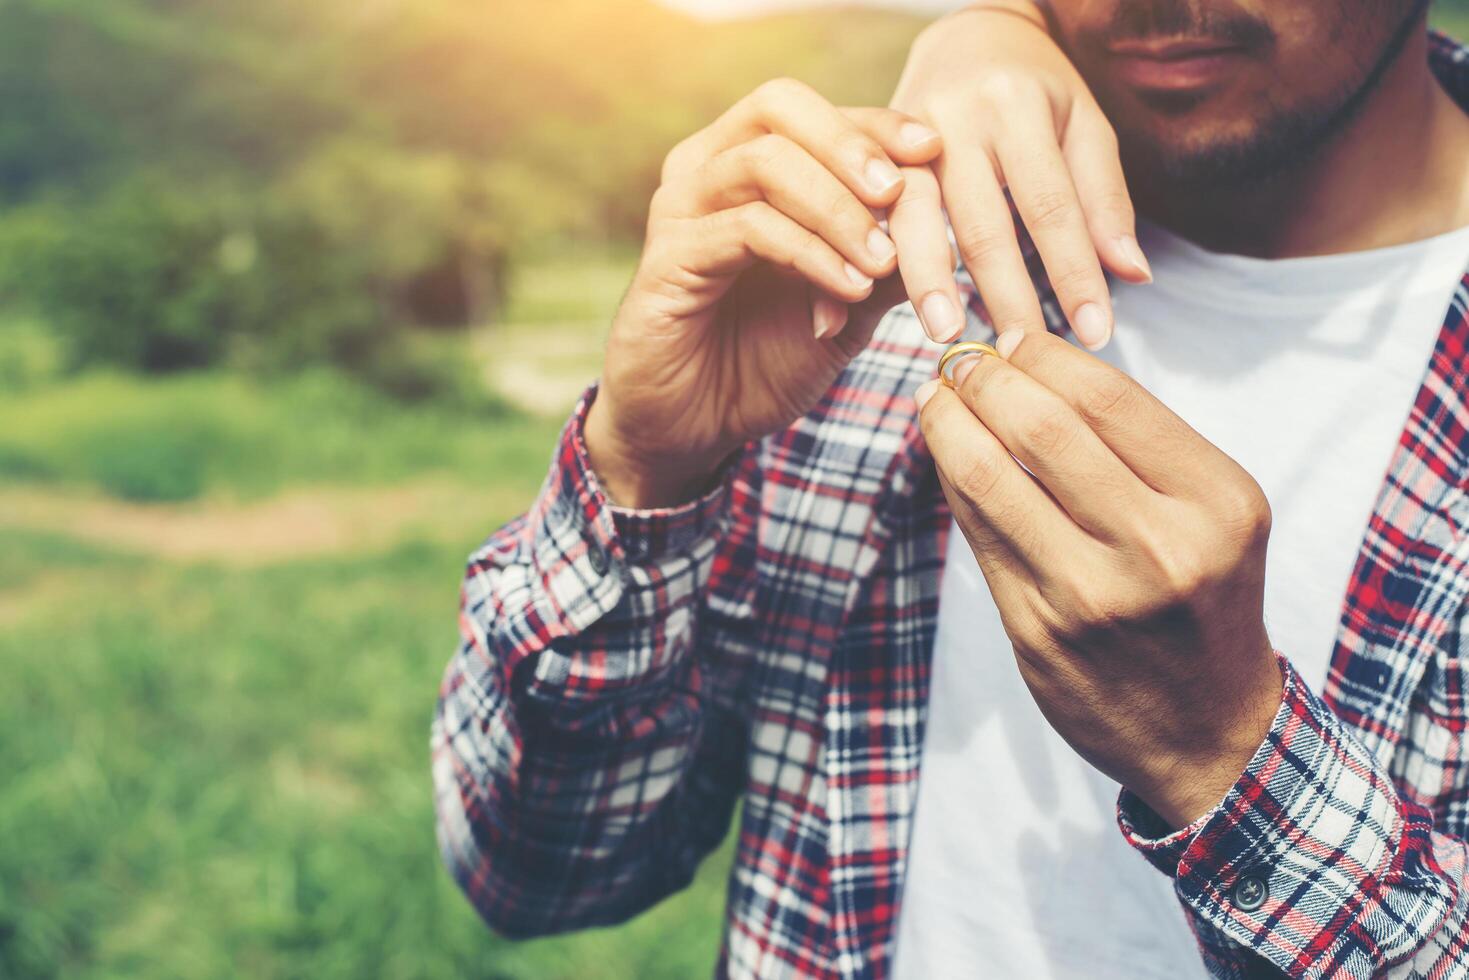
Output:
(625, 678)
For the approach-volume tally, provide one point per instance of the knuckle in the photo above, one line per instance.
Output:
(767, 153)
(980, 241)
(780, 92)
(1074, 279)
(909, 205)
(1012, 315)
(1099, 403)
(659, 203)
(1003, 89)
(749, 220)
(1049, 208)
(920, 182)
(757, 228)
(807, 248)
(1181, 572)
(978, 476)
(856, 146)
(1086, 613)
(1245, 511)
(675, 162)
(1106, 134)
(1117, 202)
(1185, 575)
(850, 220)
(1096, 611)
(1261, 518)
(1050, 433)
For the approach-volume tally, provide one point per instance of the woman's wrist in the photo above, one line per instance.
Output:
(1025, 9)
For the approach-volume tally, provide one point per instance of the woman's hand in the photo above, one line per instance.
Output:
(1014, 114)
(764, 272)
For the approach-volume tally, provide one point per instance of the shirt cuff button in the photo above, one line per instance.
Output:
(1250, 892)
(598, 557)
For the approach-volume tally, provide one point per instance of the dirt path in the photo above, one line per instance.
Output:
(540, 369)
(297, 524)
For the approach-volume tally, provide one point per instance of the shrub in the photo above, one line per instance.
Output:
(130, 279)
(148, 463)
(330, 264)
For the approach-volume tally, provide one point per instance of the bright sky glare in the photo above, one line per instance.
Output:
(719, 9)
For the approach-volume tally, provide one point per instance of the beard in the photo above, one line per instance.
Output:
(1285, 137)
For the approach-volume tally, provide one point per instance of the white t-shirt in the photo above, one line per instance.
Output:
(1303, 370)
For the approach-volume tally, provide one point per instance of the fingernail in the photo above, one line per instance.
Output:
(915, 135)
(859, 278)
(941, 321)
(1133, 252)
(1006, 342)
(880, 247)
(821, 319)
(881, 176)
(1092, 326)
(925, 392)
(963, 366)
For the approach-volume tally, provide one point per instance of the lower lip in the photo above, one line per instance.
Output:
(1177, 74)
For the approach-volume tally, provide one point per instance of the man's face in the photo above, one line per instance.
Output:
(1230, 90)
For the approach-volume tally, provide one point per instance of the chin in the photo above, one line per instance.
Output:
(1203, 149)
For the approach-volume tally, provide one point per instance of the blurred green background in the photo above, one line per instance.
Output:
(293, 298)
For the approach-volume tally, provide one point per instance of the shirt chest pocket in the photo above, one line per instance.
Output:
(1431, 762)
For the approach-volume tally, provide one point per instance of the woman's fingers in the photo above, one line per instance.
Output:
(925, 259)
(1040, 184)
(829, 169)
(1090, 151)
(984, 230)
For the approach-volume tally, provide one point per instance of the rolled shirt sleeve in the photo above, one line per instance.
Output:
(573, 743)
(1313, 861)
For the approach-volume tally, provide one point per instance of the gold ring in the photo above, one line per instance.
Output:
(959, 350)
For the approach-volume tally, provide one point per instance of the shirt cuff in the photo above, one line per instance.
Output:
(1313, 830)
(636, 535)
(616, 584)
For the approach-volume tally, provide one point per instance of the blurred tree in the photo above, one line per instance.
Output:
(192, 182)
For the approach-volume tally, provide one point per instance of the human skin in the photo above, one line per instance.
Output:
(1127, 560)
(712, 345)
(1127, 555)
(732, 330)
(1018, 118)
(1271, 128)
(763, 273)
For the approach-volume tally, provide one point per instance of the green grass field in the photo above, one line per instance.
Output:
(216, 759)
(217, 771)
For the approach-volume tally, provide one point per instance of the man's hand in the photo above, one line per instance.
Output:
(1015, 115)
(764, 272)
(1126, 555)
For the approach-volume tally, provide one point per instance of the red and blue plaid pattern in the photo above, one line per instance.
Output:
(625, 678)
